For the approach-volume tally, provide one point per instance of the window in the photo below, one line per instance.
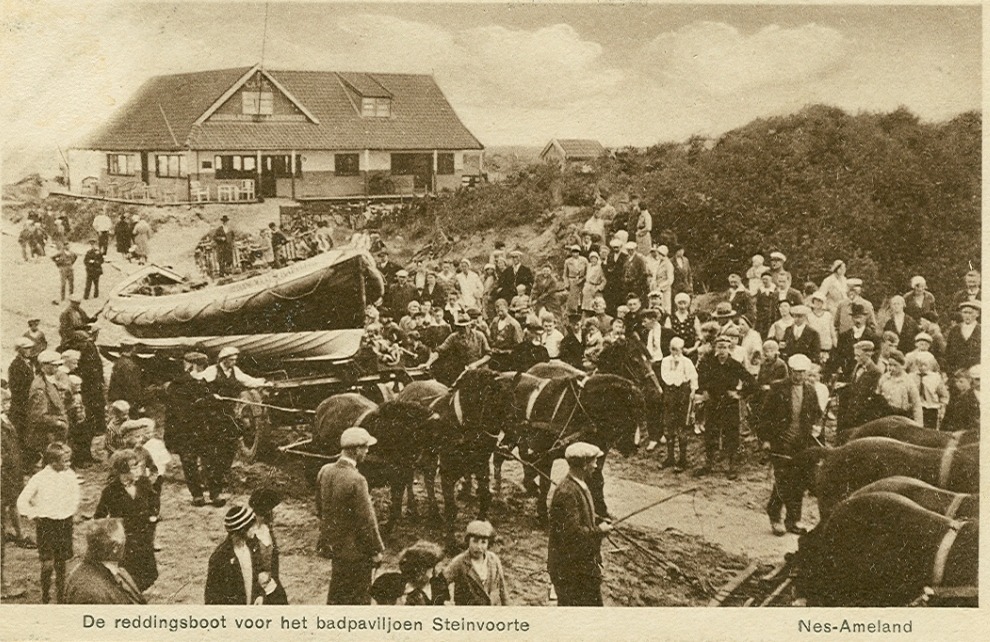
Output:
(119, 164)
(445, 164)
(376, 107)
(234, 167)
(207, 164)
(257, 103)
(346, 164)
(170, 165)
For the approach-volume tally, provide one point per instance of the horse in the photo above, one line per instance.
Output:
(944, 502)
(842, 470)
(464, 433)
(882, 549)
(404, 433)
(544, 416)
(903, 429)
(624, 358)
(555, 369)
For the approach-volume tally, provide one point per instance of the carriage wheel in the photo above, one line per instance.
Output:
(255, 442)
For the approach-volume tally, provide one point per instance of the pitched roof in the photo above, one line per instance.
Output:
(576, 148)
(163, 115)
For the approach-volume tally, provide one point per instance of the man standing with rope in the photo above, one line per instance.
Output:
(574, 558)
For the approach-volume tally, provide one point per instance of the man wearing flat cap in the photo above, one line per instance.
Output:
(844, 361)
(348, 526)
(785, 424)
(574, 558)
(20, 375)
(843, 313)
(800, 338)
(962, 344)
(857, 396)
(722, 384)
(73, 318)
(401, 292)
(48, 417)
(191, 410)
(636, 277)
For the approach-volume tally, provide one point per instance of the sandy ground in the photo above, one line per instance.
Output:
(703, 537)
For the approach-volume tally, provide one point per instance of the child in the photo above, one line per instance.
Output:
(594, 342)
(519, 306)
(475, 577)
(120, 412)
(51, 498)
(934, 394)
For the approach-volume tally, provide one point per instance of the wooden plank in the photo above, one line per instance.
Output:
(776, 593)
(733, 584)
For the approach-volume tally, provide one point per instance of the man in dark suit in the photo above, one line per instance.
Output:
(614, 268)
(235, 563)
(191, 408)
(857, 397)
(401, 293)
(575, 533)
(348, 527)
(388, 269)
(800, 338)
(962, 344)
(20, 375)
(740, 298)
(223, 245)
(514, 275)
(845, 360)
(789, 413)
(47, 415)
(99, 578)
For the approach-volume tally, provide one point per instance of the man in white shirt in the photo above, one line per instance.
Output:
(102, 226)
(680, 382)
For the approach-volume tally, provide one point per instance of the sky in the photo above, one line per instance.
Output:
(516, 74)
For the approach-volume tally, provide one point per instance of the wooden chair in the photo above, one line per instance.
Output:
(89, 186)
(197, 192)
(226, 192)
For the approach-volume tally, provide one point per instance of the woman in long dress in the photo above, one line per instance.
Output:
(594, 281)
(834, 287)
(142, 234)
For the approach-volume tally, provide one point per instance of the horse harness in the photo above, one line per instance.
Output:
(954, 505)
(563, 439)
(948, 455)
(942, 554)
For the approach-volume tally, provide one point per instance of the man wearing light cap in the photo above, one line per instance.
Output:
(857, 396)
(191, 411)
(800, 338)
(400, 293)
(636, 276)
(962, 343)
(20, 375)
(971, 291)
(777, 260)
(47, 415)
(348, 526)
(575, 532)
(787, 417)
(922, 348)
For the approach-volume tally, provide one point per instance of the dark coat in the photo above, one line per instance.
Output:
(509, 279)
(93, 260)
(742, 303)
(93, 583)
(844, 356)
(126, 382)
(139, 514)
(809, 344)
(20, 374)
(189, 412)
(574, 547)
(858, 400)
(224, 581)
(571, 350)
(636, 278)
(348, 526)
(47, 415)
(526, 355)
(614, 269)
(960, 353)
(774, 421)
(962, 412)
(909, 329)
(437, 296)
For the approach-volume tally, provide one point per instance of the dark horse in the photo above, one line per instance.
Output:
(903, 429)
(404, 433)
(463, 432)
(543, 416)
(860, 462)
(938, 500)
(882, 549)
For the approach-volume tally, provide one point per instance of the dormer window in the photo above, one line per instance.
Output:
(376, 107)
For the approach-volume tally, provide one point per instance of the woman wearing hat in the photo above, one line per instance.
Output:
(131, 497)
(263, 502)
(232, 576)
(919, 300)
(594, 282)
(779, 327)
(475, 577)
(575, 273)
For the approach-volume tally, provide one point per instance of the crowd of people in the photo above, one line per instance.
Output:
(767, 360)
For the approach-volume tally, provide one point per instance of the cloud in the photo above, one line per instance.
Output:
(720, 60)
(488, 65)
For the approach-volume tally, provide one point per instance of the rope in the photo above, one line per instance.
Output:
(265, 405)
